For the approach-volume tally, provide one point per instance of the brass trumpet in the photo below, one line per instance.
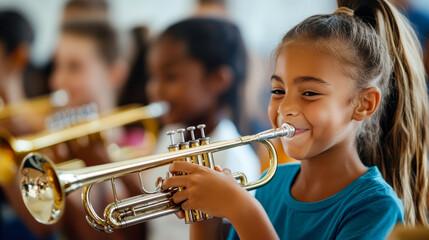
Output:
(43, 104)
(44, 186)
(12, 149)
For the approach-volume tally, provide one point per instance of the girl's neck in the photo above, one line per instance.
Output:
(12, 89)
(328, 173)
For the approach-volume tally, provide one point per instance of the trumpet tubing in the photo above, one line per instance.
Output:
(44, 186)
(11, 148)
(43, 104)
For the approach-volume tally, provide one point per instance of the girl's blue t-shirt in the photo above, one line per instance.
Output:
(368, 208)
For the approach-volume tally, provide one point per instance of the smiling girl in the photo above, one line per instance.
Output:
(352, 83)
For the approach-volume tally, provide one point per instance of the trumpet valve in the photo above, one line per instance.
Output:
(192, 129)
(171, 135)
(201, 127)
(173, 146)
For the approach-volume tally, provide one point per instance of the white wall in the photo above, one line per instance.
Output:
(263, 22)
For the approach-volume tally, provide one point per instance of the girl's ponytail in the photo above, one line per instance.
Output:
(401, 152)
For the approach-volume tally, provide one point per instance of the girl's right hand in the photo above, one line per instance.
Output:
(181, 214)
(215, 192)
(218, 194)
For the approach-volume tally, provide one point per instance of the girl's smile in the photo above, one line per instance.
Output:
(299, 131)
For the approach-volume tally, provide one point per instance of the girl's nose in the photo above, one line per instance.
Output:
(288, 106)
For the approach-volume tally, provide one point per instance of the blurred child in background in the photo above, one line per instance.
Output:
(198, 66)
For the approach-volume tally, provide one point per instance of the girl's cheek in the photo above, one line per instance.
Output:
(320, 118)
(314, 113)
(272, 112)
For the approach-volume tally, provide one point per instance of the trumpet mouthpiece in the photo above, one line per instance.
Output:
(285, 130)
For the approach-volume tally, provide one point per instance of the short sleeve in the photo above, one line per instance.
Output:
(373, 219)
(233, 234)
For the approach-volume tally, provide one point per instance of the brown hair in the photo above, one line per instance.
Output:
(96, 5)
(86, 10)
(104, 36)
(382, 51)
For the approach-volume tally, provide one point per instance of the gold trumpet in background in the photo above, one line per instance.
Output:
(13, 149)
(44, 186)
(43, 104)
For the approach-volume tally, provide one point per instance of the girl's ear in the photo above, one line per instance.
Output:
(367, 103)
(118, 73)
(221, 80)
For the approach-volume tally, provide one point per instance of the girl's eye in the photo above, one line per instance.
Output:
(277, 91)
(309, 94)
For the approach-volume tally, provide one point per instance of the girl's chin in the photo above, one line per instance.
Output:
(294, 151)
(295, 156)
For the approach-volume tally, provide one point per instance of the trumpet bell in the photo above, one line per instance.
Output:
(41, 189)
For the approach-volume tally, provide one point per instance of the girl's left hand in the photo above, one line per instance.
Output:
(216, 193)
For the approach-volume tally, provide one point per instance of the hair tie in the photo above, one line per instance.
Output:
(345, 10)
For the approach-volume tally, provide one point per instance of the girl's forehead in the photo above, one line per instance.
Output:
(297, 61)
(77, 45)
(167, 48)
(82, 47)
(335, 50)
(171, 44)
(304, 55)
(77, 38)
